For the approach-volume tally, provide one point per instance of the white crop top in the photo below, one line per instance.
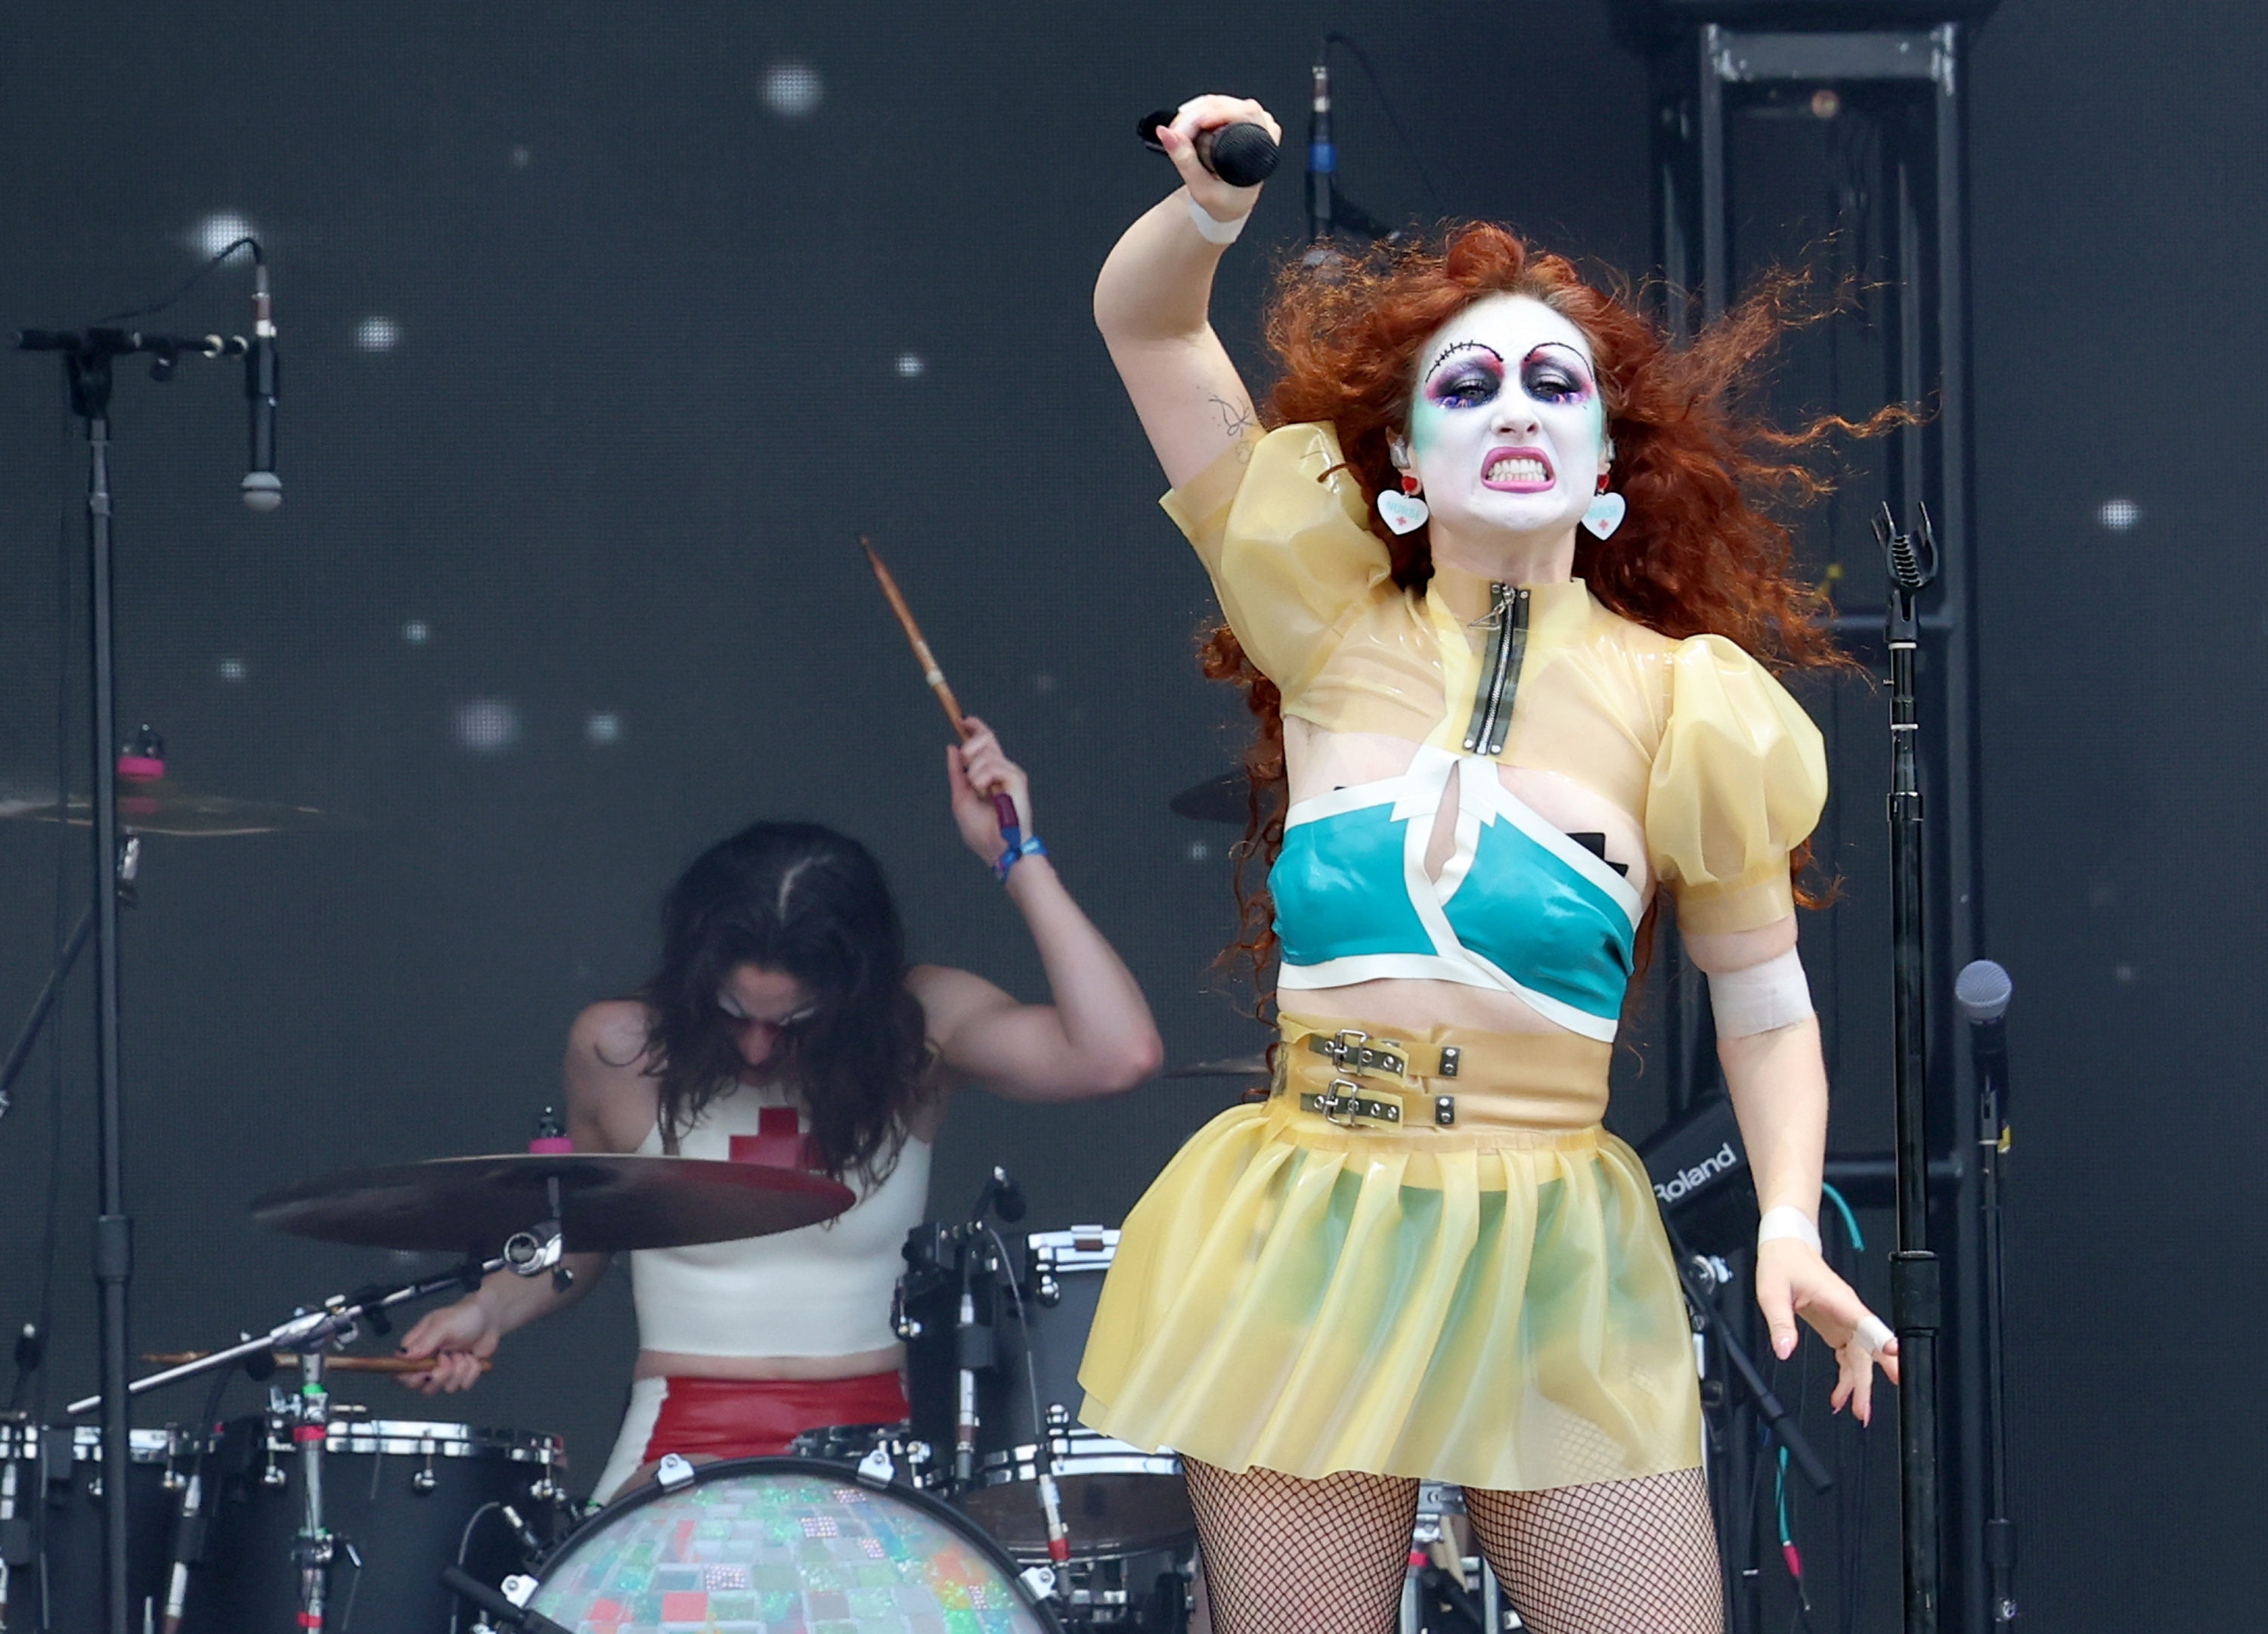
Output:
(824, 1290)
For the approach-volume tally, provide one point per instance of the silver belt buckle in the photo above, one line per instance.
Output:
(1351, 1050)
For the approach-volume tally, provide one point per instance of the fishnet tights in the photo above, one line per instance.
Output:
(1620, 1557)
(1327, 1557)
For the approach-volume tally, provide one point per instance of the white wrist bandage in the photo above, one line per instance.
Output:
(1873, 1333)
(1773, 993)
(1209, 228)
(1785, 1221)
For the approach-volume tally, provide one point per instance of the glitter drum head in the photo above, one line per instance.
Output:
(768, 1545)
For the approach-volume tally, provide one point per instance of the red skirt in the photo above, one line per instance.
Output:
(754, 1417)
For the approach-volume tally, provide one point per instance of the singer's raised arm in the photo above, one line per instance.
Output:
(1151, 297)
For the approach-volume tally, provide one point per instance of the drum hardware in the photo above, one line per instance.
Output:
(497, 1603)
(336, 1321)
(1034, 1299)
(338, 1363)
(1438, 1595)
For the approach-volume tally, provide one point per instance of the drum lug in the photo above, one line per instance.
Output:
(1050, 1291)
(876, 1469)
(518, 1588)
(1040, 1581)
(674, 1473)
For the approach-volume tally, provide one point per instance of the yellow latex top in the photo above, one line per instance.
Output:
(1722, 769)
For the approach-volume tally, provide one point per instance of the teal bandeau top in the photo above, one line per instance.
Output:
(1519, 907)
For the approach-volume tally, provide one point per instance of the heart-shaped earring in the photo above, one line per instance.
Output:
(1605, 515)
(1402, 512)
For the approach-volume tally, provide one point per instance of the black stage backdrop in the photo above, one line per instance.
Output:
(605, 328)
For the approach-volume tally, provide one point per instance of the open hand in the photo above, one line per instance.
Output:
(1791, 1281)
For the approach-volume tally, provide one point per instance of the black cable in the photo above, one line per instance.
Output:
(1386, 103)
(259, 258)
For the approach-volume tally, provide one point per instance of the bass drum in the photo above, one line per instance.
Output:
(403, 1497)
(784, 1543)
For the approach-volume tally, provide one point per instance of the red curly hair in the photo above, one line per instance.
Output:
(1696, 555)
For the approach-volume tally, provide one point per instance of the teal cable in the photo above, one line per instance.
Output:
(1850, 1220)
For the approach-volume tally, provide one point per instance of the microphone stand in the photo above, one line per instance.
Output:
(1911, 559)
(88, 355)
(1995, 1136)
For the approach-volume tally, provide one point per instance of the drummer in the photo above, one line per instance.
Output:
(784, 1026)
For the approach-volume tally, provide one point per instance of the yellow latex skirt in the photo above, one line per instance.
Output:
(1492, 1303)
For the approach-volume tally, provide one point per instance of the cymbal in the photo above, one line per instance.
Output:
(1254, 1065)
(160, 805)
(611, 1203)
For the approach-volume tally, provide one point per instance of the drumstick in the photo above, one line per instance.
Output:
(1003, 807)
(331, 1364)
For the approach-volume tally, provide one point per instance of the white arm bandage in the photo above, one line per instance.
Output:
(1210, 227)
(1773, 993)
(1786, 1221)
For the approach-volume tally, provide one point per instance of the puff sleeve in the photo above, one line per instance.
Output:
(1737, 783)
(1280, 528)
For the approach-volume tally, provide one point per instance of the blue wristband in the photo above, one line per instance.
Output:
(1014, 854)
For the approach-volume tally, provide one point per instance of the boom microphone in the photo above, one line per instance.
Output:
(263, 489)
(1244, 155)
(1983, 991)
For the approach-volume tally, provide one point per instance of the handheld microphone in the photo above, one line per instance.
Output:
(1244, 155)
(262, 488)
(1983, 991)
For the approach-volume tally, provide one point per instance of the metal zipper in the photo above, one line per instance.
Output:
(1506, 622)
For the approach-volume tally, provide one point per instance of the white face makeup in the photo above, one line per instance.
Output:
(1506, 426)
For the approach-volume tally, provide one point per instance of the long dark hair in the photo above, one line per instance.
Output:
(798, 897)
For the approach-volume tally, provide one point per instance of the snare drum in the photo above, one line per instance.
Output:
(1117, 1500)
(402, 1497)
(784, 1544)
(51, 1494)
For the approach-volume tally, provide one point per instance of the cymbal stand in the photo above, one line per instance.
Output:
(333, 1322)
(313, 1548)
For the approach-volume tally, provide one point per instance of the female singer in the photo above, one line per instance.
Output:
(1494, 584)
(784, 1025)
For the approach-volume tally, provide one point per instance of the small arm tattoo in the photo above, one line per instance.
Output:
(1236, 419)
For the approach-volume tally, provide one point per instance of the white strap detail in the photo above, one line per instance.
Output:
(1762, 997)
(1210, 227)
(1787, 1221)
